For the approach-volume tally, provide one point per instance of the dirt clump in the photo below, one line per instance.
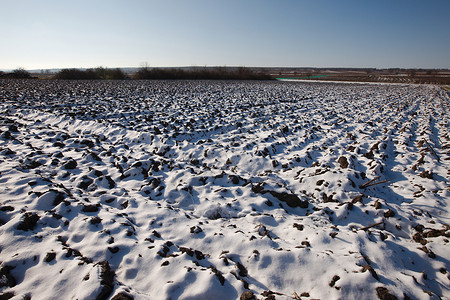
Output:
(28, 222)
(384, 294)
(107, 280)
(247, 295)
(6, 279)
(122, 296)
(343, 162)
(334, 280)
(50, 257)
(70, 165)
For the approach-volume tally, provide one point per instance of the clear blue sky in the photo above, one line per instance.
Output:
(37, 34)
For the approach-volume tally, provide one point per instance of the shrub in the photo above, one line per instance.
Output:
(116, 74)
(21, 73)
(72, 74)
(17, 74)
(90, 74)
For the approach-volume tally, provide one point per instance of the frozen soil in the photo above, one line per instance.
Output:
(223, 190)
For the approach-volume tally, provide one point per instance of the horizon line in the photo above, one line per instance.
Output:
(227, 66)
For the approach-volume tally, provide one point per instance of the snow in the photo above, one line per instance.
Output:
(209, 189)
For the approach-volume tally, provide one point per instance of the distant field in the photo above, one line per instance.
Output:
(380, 76)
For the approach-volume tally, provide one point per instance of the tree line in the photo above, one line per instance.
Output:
(101, 73)
(217, 73)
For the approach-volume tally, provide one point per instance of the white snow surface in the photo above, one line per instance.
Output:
(210, 189)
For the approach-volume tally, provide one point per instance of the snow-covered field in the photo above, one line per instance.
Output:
(223, 190)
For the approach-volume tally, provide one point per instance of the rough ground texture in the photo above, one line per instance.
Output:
(223, 190)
